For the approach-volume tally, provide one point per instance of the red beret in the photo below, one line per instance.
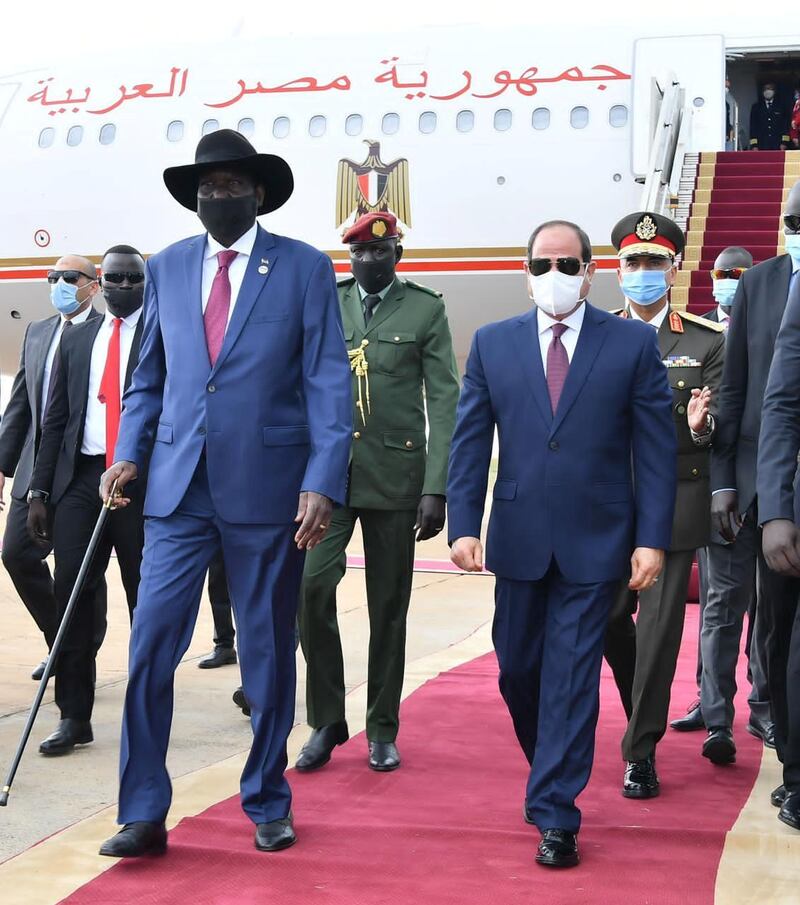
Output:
(374, 227)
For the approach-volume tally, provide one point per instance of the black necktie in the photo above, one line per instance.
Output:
(52, 381)
(370, 301)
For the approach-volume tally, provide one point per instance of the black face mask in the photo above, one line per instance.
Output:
(227, 218)
(122, 302)
(373, 276)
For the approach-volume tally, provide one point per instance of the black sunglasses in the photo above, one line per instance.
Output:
(68, 276)
(792, 222)
(569, 266)
(134, 277)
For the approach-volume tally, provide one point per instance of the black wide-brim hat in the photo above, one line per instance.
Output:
(228, 148)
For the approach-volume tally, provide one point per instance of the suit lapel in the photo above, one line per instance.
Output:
(780, 291)
(193, 266)
(352, 317)
(526, 341)
(40, 359)
(252, 285)
(390, 303)
(133, 357)
(84, 366)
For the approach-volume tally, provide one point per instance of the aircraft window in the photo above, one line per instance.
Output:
(502, 120)
(175, 130)
(465, 121)
(317, 126)
(579, 117)
(618, 115)
(280, 128)
(390, 124)
(210, 125)
(354, 124)
(108, 133)
(246, 127)
(46, 137)
(540, 118)
(75, 136)
(427, 122)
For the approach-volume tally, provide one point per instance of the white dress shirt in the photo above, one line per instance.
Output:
(244, 245)
(94, 428)
(569, 338)
(51, 353)
(656, 322)
(723, 317)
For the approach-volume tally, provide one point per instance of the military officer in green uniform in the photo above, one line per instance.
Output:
(401, 356)
(643, 656)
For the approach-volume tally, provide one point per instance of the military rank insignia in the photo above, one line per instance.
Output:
(681, 361)
(646, 229)
(675, 322)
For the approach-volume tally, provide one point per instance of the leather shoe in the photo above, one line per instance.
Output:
(558, 848)
(275, 835)
(383, 756)
(778, 796)
(222, 656)
(719, 747)
(763, 729)
(641, 779)
(37, 674)
(63, 740)
(317, 750)
(790, 810)
(241, 701)
(135, 840)
(692, 721)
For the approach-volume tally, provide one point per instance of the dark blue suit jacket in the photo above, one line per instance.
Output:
(274, 413)
(584, 486)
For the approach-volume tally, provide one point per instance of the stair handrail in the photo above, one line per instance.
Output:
(661, 165)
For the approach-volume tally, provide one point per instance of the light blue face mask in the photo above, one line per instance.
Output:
(793, 247)
(724, 291)
(644, 287)
(64, 297)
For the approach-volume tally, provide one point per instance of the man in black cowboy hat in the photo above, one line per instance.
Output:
(241, 406)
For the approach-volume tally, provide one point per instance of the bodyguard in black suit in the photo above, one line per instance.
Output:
(95, 365)
(20, 433)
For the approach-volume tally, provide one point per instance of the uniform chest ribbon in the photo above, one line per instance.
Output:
(360, 367)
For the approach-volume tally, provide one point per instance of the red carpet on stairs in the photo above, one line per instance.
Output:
(447, 828)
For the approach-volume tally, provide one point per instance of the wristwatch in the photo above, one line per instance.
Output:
(42, 495)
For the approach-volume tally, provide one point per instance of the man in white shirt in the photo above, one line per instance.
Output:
(94, 366)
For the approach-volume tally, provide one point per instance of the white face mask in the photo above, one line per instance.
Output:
(769, 94)
(554, 292)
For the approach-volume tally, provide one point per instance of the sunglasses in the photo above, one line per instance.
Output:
(133, 277)
(569, 266)
(792, 222)
(68, 276)
(732, 273)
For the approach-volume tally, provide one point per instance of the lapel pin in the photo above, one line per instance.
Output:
(264, 268)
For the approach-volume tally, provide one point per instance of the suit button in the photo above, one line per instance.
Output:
(357, 435)
(409, 444)
(212, 388)
(681, 409)
(397, 339)
(681, 384)
(201, 431)
(553, 444)
(695, 472)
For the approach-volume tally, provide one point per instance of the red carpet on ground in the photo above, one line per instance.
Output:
(447, 828)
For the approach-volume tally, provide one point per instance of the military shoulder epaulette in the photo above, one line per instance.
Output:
(701, 321)
(433, 292)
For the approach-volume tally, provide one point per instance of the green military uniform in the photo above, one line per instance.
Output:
(407, 348)
(692, 348)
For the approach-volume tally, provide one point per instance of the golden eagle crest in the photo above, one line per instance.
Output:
(364, 188)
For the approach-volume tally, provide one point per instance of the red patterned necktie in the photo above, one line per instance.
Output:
(557, 365)
(110, 394)
(219, 304)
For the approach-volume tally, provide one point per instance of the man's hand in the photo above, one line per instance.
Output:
(697, 410)
(467, 554)
(430, 516)
(780, 541)
(725, 517)
(123, 473)
(39, 523)
(314, 517)
(646, 566)
(2, 485)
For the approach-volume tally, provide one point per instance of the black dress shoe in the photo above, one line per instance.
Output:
(222, 656)
(135, 840)
(241, 701)
(37, 674)
(641, 779)
(778, 796)
(558, 848)
(273, 836)
(692, 721)
(790, 810)
(317, 750)
(64, 739)
(763, 729)
(383, 756)
(719, 747)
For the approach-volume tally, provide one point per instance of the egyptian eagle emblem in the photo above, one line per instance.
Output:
(370, 186)
(646, 228)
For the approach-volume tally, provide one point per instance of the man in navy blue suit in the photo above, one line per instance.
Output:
(584, 496)
(241, 405)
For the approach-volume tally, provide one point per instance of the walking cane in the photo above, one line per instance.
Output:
(62, 629)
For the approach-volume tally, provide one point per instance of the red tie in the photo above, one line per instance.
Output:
(557, 365)
(110, 394)
(219, 303)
